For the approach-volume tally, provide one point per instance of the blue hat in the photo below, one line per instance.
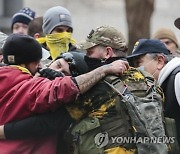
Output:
(24, 16)
(144, 46)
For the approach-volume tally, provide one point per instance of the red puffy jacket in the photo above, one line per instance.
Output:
(22, 96)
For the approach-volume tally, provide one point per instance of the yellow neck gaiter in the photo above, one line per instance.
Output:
(22, 68)
(58, 43)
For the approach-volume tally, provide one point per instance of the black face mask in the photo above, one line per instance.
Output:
(94, 63)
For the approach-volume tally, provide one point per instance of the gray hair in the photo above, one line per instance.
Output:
(167, 58)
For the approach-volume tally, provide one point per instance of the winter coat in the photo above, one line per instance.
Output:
(22, 96)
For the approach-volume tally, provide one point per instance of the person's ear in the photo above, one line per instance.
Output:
(109, 52)
(161, 62)
(36, 35)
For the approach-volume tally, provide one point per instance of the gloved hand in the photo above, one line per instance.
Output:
(50, 74)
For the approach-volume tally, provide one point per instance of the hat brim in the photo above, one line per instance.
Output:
(130, 58)
(135, 55)
(177, 23)
(45, 54)
(86, 45)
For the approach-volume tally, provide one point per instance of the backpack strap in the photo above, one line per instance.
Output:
(143, 109)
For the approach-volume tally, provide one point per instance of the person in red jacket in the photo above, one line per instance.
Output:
(22, 95)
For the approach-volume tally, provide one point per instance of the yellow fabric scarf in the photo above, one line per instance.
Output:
(23, 69)
(57, 43)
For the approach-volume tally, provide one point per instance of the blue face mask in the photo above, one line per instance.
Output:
(142, 68)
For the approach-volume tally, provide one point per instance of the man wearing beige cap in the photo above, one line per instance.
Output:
(103, 45)
(168, 37)
(108, 117)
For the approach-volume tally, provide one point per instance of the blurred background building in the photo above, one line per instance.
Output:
(88, 14)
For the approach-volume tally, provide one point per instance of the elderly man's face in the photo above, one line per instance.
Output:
(150, 64)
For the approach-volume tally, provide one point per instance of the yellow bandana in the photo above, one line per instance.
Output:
(59, 43)
(41, 40)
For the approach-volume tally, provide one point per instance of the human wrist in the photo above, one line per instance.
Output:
(105, 69)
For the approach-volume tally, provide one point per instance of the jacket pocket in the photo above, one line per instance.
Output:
(84, 136)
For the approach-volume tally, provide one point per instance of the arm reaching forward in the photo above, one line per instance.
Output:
(86, 81)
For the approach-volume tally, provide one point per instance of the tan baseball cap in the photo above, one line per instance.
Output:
(104, 35)
(164, 33)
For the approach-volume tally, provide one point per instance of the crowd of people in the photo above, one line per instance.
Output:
(57, 95)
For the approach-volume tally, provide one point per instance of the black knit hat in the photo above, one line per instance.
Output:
(21, 49)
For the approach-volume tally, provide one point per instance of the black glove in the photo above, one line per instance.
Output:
(50, 74)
